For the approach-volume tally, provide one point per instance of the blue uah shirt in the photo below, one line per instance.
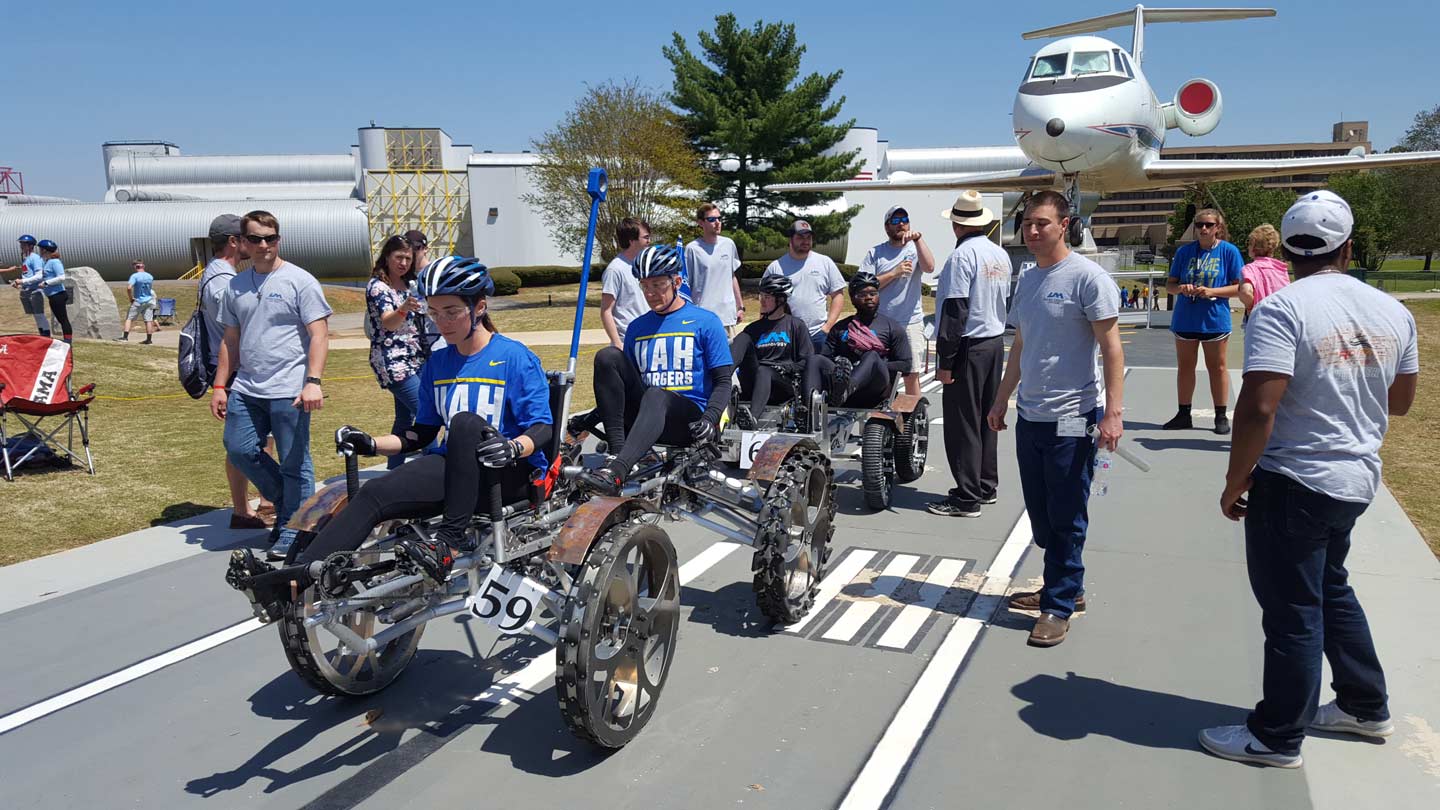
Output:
(503, 381)
(677, 351)
(1217, 267)
(54, 271)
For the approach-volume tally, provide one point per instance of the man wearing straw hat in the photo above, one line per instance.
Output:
(970, 352)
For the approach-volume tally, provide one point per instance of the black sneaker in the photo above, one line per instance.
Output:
(1222, 425)
(432, 557)
(840, 382)
(952, 508)
(1180, 421)
(602, 481)
(744, 419)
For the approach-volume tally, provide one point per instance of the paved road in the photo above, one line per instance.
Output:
(861, 708)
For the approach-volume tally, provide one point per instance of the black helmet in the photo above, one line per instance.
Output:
(658, 260)
(457, 275)
(776, 285)
(863, 279)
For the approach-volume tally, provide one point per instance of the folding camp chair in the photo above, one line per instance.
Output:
(166, 313)
(35, 387)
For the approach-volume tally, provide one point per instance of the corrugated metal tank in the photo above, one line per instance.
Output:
(953, 159)
(329, 238)
(236, 191)
(135, 170)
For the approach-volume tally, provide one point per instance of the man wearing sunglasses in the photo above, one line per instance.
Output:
(895, 262)
(276, 340)
(712, 261)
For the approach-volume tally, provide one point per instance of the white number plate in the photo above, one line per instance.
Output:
(750, 444)
(506, 600)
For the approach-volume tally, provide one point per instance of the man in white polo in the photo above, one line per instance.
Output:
(818, 289)
(620, 298)
(899, 263)
(711, 261)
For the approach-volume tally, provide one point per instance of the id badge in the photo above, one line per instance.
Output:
(1070, 427)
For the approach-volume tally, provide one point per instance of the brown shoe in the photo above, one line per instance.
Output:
(1048, 631)
(246, 522)
(265, 510)
(1030, 600)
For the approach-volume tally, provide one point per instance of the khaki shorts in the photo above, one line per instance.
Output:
(732, 330)
(916, 332)
(139, 310)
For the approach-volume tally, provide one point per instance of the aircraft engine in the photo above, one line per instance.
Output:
(1196, 109)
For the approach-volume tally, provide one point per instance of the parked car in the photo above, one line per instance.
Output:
(1145, 256)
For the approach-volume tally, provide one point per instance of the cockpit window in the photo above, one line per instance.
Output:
(1091, 62)
(1028, 66)
(1049, 67)
(1122, 63)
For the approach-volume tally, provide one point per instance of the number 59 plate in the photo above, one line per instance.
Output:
(506, 600)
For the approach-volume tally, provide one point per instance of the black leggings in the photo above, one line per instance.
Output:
(637, 416)
(450, 484)
(766, 385)
(57, 306)
(870, 379)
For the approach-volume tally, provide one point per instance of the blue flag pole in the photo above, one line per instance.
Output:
(596, 186)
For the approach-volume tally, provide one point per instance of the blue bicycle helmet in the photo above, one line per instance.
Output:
(457, 275)
(26, 239)
(658, 260)
(46, 244)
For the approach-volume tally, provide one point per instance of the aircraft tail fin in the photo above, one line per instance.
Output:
(1140, 15)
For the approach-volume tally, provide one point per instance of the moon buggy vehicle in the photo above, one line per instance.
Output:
(595, 576)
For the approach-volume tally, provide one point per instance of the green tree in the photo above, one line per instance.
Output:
(1246, 204)
(1419, 187)
(757, 121)
(1372, 198)
(631, 132)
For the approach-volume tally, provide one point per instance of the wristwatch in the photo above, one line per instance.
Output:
(315, 380)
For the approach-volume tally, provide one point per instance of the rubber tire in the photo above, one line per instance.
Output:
(300, 650)
(1076, 233)
(909, 465)
(582, 623)
(877, 463)
(771, 581)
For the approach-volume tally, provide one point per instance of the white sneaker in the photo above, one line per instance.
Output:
(1333, 718)
(1238, 744)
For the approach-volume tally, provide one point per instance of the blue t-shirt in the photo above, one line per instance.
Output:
(34, 272)
(1217, 267)
(143, 285)
(677, 351)
(502, 380)
(54, 269)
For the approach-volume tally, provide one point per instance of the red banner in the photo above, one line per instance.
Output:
(34, 368)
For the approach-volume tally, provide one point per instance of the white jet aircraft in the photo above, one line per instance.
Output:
(1086, 117)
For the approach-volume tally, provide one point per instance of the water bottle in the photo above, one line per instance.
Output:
(1100, 473)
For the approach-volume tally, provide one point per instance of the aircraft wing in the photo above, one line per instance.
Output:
(1030, 177)
(1180, 172)
(1151, 15)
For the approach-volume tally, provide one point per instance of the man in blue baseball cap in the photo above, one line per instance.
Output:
(28, 283)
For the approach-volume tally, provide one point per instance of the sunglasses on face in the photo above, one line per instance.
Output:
(1206, 225)
(712, 219)
(267, 238)
(899, 220)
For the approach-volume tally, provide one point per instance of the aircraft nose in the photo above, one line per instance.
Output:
(1055, 127)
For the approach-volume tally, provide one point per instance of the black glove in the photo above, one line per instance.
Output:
(497, 451)
(350, 440)
(580, 423)
(702, 431)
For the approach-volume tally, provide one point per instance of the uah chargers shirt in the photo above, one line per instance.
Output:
(503, 382)
(676, 351)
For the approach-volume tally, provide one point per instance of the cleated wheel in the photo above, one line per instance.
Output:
(326, 663)
(913, 446)
(792, 544)
(617, 634)
(877, 462)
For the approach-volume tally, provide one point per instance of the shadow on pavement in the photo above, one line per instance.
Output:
(1075, 707)
(1156, 445)
(730, 610)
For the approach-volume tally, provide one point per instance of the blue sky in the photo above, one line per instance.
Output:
(264, 78)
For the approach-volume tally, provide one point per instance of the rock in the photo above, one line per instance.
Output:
(92, 312)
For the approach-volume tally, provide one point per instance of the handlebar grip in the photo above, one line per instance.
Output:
(352, 475)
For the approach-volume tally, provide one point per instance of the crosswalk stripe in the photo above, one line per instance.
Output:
(913, 616)
(858, 613)
(839, 577)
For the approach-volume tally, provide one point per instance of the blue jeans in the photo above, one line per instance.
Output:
(407, 404)
(286, 481)
(1055, 480)
(818, 339)
(1296, 541)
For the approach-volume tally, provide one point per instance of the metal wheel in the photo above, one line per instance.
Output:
(792, 544)
(912, 448)
(328, 664)
(877, 462)
(617, 634)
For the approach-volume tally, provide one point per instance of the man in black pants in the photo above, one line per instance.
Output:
(862, 354)
(670, 383)
(970, 351)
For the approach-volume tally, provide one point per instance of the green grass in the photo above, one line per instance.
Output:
(1409, 450)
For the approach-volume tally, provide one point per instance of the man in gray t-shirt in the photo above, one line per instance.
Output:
(276, 341)
(1063, 310)
(814, 278)
(621, 300)
(899, 263)
(712, 261)
(1328, 360)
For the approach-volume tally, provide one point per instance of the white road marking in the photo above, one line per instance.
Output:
(858, 613)
(522, 680)
(912, 617)
(839, 577)
(896, 746)
(16, 719)
(931, 388)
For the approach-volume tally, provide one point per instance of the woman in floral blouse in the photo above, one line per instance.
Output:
(392, 316)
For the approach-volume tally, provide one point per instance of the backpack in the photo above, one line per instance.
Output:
(196, 366)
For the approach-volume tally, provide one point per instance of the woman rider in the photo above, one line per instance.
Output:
(769, 350)
(479, 376)
(863, 353)
(670, 383)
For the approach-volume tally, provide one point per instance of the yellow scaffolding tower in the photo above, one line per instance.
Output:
(416, 192)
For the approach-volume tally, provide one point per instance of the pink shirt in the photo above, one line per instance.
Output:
(1266, 275)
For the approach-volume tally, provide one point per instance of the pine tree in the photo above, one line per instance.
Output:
(755, 121)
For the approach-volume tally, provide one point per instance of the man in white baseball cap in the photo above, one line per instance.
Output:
(1328, 360)
(899, 262)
